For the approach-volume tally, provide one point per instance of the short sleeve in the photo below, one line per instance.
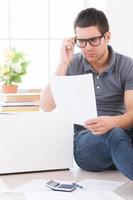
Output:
(129, 79)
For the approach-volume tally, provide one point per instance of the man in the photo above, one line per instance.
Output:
(104, 142)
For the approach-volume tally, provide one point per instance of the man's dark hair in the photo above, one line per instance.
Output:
(92, 17)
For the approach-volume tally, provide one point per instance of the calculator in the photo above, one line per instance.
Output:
(60, 186)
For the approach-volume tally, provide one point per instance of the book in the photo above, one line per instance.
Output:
(19, 97)
(20, 103)
(19, 109)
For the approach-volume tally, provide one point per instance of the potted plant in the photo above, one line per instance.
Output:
(13, 69)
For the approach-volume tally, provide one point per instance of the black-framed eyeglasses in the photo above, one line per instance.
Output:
(94, 41)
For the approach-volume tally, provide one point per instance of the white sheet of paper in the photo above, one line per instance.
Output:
(12, 196)
(75, 97)
(3, 186)
(71, 196)
(33, 185)
(100, 185)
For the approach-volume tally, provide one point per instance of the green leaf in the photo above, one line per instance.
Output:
(16, 79)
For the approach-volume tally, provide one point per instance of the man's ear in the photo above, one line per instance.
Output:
(107, 36)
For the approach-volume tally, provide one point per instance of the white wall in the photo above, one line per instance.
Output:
(120, 15)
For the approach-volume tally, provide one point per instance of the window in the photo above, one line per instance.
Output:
(37, 28)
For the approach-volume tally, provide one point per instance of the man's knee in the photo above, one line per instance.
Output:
(90, 152)
(83, 147)
(92, 162)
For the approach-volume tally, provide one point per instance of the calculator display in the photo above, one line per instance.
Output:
(53, 183)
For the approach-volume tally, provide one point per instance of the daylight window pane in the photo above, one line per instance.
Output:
(54, 54)
(62, 15)
(4, 15)
(3, 47)
(29, 19)
(37, 52)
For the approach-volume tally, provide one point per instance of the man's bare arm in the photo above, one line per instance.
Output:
(46, 101)
(126, 120)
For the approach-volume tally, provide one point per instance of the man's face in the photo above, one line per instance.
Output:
(92, 53)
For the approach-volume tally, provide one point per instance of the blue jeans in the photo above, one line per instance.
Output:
(98, 153)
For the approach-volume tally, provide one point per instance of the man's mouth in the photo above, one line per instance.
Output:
(89, 54)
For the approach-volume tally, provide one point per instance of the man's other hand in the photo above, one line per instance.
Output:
(101, 125)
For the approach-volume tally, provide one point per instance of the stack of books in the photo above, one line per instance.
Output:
(17, 102)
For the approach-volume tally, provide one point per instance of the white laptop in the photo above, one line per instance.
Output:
(35, 142)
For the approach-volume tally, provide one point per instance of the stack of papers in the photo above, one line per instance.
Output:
(37, 190)
(92, 189)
